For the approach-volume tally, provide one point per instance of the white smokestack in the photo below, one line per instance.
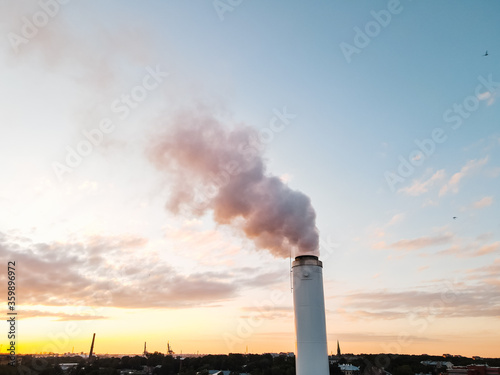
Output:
(310, 321)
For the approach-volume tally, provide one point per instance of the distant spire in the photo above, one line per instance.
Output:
(338, 349)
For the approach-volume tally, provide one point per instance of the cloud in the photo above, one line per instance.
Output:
(380, 232)
(488, 249)
(59, 316)
(379, 245)
(430, 202)
(484, 96)
(421, 242)
(368, 315)
(485, 236)
(470, 167)
(484, 202)
(489, 96)
(266, 279)
(267, 312)
(396, 219)
(115, 272)
(419, 187)
(448, 299)
(488, 275)
(471, 249)
(455, 250)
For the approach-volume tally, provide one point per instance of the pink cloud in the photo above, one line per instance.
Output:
(488, 249)
(470, 167)
(113, 272)
(419, 187)
(421, 242)
(484, 202)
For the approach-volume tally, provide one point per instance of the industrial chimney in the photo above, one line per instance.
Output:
(91, 349)
(310, 322)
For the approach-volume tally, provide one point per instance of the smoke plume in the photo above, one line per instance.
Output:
(213, 168)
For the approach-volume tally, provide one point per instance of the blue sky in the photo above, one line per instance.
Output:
(387, 252)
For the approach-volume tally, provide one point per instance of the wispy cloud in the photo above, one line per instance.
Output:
(488, 249)
(489, 96)
(267, 312)
(483, 202)
(368, 315)
(397, 218)
(484, 96)
(488, 275)
(27, 314)
(419, 187)
(380, 232)
(470, 167)
(470, 249)
(430, 203)
(422, 268)
(421, 242)
(448, 300)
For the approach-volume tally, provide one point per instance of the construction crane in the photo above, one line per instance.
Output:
(169, 349)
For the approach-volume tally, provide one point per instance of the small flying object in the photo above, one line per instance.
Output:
(486, 53)
(454, 217)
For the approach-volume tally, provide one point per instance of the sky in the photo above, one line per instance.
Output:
(163, 160)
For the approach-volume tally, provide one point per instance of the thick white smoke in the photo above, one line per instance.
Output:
(222, 170)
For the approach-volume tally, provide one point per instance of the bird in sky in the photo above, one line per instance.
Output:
(454, 217)
(486, 53)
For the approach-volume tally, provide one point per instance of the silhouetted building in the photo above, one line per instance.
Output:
(474, 370)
